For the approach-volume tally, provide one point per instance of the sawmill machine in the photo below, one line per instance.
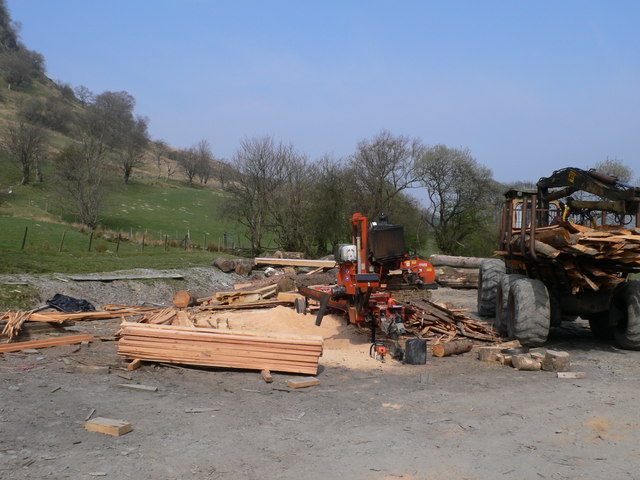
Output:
(374, 264)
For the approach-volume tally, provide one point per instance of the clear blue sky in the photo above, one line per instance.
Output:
(527, 86)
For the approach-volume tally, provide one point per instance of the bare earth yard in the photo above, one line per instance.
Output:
(453, 418)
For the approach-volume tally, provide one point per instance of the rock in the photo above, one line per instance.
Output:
(556, 361)
(244, 267)
(225, 264)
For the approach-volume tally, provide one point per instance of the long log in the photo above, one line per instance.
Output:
(453, 261)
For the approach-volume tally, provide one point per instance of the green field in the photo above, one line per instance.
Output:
(164, 213)
(41, 253)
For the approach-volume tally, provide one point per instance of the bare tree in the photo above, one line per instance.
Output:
(384, 167)
(289, 205)
(204, 160)
(133, 147)
(82, 181)
(223, 172)
(85, 95)
(26, 145)
(460, 193)
(159, 149)
(332, 203)
(82, 171)
(616, 168)
(259, 174)
(188, 163)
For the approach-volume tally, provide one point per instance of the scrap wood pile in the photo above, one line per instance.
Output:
(220, 348)
(16, 320)
(594, 258)
(443, 323)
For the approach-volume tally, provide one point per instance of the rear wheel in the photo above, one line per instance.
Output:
(625, 315)
(491, 271)
(529, 312)
(502, 298)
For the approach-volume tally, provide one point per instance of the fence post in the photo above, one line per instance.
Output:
(62, 241)
(118, 244)
(24, 239)
(204, 243)
(90, 240)
(165, 242)
(142, 242)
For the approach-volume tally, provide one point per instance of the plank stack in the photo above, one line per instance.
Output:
(220, 348)
(594, 258)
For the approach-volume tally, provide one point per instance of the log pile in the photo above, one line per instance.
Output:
(218, 348)
(593, 258)
(443, 323)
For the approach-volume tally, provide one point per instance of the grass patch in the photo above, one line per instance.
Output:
(41, 253)
(18, 297)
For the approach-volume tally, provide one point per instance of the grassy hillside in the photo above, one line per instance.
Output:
(159, 211)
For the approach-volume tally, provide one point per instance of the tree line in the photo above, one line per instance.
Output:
(274, 191)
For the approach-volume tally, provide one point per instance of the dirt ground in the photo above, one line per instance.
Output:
(453, 418)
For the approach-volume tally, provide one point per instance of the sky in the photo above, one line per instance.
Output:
(527, 86)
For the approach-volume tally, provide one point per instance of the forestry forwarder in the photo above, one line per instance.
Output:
(376, 262)
(556, 269)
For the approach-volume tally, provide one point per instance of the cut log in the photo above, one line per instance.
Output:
(489, 354)
(266, 375)
(556, 361)
(183, 299)
(451, 348)
(525, 362)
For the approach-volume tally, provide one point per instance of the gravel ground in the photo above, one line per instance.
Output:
(453, 418)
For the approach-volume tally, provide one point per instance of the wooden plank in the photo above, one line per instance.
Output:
(288, 297)
(137, 386)
(111, 278)
(108, 426)
(292, 262)
(302, 382)
(572, 375)
(50, 342)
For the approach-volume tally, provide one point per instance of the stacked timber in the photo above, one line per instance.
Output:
(594, 258)
(217, 348)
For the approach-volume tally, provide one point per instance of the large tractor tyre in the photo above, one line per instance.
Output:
(502, 299)
(491, 271)
(599, 325)
(529, 312)
(624, 315)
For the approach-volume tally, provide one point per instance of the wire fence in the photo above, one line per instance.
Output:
(115, 242)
